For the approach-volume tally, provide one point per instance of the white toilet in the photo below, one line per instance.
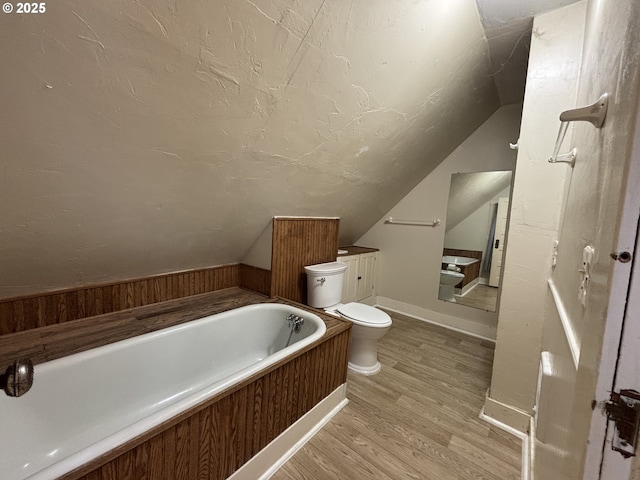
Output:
(448, 282)
(324, 290)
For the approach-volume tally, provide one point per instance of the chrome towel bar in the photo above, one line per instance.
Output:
(392, 221)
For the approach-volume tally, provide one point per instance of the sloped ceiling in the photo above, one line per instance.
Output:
(469, 191)
(507, 24)
(144, 137)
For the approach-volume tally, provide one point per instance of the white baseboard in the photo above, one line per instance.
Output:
(468, 327)
(512, 417)
(461, 292)
(532, 453)
(268, 460)
(525, 438)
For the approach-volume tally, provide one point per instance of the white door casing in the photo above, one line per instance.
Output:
(498, 242)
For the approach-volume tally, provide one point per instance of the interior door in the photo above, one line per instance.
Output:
(614, 464)
(498, 243)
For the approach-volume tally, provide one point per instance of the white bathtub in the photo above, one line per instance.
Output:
(84, 405)
(460, 261)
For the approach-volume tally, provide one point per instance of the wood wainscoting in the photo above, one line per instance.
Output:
(256, 279)
(298, 242)
(62, 339)
(26, 312)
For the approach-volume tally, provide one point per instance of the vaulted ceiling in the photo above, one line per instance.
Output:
(507, 25)
(143, 137)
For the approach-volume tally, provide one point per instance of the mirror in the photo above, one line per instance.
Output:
(474, 238)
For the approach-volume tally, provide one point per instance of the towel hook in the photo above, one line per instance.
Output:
(594, 114)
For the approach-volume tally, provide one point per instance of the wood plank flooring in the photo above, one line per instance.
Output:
(416, 419)
(482, 296)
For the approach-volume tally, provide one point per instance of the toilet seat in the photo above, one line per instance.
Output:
(364, 315)
(450, 273)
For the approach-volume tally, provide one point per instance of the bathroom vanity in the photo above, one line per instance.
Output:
(359, 279)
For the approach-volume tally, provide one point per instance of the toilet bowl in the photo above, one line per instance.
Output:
(324, 290)
(448, 281)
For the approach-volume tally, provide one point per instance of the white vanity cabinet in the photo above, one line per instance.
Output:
(359, 278)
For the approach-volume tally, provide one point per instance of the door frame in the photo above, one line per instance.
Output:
(617, 368)
(497, 258)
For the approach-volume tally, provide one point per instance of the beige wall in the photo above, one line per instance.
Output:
(409, 258)
(595, 205)
(537, 200)
(259, 255)
(140, 138)
(473, 232)
(582, 340)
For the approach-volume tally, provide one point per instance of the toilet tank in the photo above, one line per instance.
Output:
(324, 284)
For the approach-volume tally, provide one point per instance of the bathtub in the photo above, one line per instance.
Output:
(84, 405)
(460, 261)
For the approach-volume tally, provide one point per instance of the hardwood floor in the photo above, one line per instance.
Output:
(482, 296)
(416, 419)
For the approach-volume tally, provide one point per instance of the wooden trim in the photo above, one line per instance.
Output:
(27, 312)
(298, 242)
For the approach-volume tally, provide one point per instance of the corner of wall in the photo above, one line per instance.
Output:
(506, 414)
(537, 199)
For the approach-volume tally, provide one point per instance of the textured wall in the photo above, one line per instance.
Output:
(140, 138)
(602, 211)
(473, 232)
(536, 206)
(409, 261)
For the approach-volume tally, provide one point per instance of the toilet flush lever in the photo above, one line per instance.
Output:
(321, 280)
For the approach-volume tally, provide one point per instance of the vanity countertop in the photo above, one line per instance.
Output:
(355, 250)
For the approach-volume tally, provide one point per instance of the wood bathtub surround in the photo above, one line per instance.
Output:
(471, 272)
(54, 341)
(215, 438)
(50, 308)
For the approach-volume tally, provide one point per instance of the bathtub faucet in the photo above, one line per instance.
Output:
(18, 378)
(295, 322)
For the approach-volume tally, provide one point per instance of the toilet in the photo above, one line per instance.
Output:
(448, 280)
(324, 290)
